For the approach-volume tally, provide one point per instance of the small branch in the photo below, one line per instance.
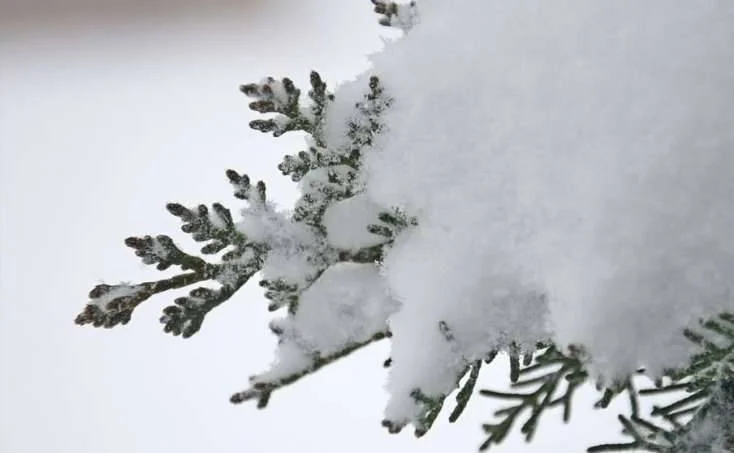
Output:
(462, 398)
(261, 391)
(186, 316)
(563, 368)
(107, 310)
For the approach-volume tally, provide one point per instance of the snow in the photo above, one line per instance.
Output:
(290, 264)
(346, 223)
(230, 274)
(480, 314)
(122, 290)
(570, 167)
(291, 245)
(273, 90)
(348, 304)
(406, 17)
(324, 181)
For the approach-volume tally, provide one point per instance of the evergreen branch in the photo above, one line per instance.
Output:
(318, 155)
(296, 166)
(392, 224)
(363, 127)
(514, 363)
(671, 408)
(331, 177)
(261, 391)
(491, 356)
(707, 383)
(111, 305)
(663, 389)
(674, 418)
(216, 228)
(186, 316)
(283, 98)
(563, 368)
(333, 171)
(371, 254)
(713, 361)
(280, 97)
(320, 100)
(327, 175)
(644, 435)
(462, 398)
(280, 293)
(244, 190)
(630, 446)
(161, 250)
(330, 184)
(431, 408)
(633, 399)
(615, 389)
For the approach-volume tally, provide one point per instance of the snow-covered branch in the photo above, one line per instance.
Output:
(523, 178)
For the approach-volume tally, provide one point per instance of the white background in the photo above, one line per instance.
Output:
(105, 115)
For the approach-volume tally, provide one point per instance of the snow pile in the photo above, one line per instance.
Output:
(458, 303)
(570, 164)
(346, 222)
(347, 305)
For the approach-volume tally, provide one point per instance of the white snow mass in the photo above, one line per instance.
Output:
(348, 304)
(571, 166)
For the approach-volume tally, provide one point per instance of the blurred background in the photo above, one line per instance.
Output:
(108, 110)
(36, 13)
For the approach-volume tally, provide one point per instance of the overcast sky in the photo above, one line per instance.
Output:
(108, 110)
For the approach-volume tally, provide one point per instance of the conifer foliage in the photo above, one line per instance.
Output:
(320, 266)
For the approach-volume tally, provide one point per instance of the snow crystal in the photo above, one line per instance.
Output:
(570, 167)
